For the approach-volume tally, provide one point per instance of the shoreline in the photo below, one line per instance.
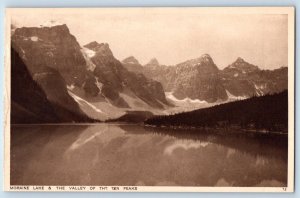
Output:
(222, 130)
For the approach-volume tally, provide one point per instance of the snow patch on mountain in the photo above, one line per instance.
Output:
(34, 38)
(184, 105)
(131, 62)
(99, 84)
(170, 96)
(81, 101)
(71, 87)
(233, 97)
(260, 86)
(259, 89)
(88, 54)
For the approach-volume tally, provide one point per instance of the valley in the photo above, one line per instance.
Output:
(87, 83)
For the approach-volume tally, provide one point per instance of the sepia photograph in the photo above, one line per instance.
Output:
(173, 99)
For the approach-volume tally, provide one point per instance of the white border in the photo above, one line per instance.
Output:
(290, 11)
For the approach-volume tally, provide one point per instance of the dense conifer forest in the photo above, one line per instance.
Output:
(268, 112)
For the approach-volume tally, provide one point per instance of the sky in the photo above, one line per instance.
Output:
(175, 35)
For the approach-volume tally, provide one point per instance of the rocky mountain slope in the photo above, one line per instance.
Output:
(244, 79)
(116, 79)
(200, 79)
(78, 82)
(52, 47)
(31, 104)
(86, 79)
(132, 64)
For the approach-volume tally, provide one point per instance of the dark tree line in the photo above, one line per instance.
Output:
(269, 112)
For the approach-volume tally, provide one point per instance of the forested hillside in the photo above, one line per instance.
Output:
(269, 112)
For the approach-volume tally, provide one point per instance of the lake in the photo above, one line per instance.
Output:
(127, 154)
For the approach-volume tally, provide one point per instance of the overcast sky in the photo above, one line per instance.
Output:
(173, 36)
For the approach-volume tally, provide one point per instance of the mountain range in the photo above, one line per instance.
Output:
(201, 79)
(88, 76)
(55, 79)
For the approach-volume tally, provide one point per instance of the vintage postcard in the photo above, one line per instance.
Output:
(189, 99)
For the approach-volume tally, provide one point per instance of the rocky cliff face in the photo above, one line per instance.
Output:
(35, 101)
(116, 79)
(201, 79)
(107, 72)
(195, 79)
(244, 79)
(52, 47)
(75, 81)
(164, 74)
(85, 79)
(54, 61)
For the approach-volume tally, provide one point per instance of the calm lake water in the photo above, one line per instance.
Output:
(112, 154)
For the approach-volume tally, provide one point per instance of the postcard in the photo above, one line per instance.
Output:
(149, 99)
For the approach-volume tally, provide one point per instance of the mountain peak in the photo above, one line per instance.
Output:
(240, 60)
(153, 61)
(130, 60)
(99, 48)
(203, 63)
(206, 58)
(92, 44)
(242, 65)
(60, 29)
(55, 26)
(203, 59)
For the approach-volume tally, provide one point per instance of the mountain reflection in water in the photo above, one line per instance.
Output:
(112, 154)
